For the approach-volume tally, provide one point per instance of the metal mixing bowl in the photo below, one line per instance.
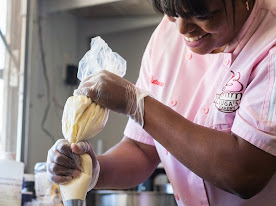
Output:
(129, 198)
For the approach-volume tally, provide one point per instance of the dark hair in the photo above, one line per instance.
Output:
(182, 8)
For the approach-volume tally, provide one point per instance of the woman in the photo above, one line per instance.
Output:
(211, 67)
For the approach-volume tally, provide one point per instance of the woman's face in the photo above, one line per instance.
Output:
(211, 33)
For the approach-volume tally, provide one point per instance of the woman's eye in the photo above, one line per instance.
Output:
(205, 16)
(202, 18)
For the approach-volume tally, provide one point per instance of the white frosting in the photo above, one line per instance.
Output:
(82, 119)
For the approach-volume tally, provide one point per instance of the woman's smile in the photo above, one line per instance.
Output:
(195, 41)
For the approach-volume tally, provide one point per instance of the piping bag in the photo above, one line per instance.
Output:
(83, 119)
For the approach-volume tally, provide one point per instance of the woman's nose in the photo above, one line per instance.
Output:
(185, 25)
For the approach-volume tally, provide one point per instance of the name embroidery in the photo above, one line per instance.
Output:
(156, 82)
(229, 100)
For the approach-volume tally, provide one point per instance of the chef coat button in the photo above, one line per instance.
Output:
(188, 56)
(166, 152)
(176, 197)
(205, 110)
(173, 102)
(227, 62)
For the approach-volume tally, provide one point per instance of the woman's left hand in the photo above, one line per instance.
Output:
(108, 90)
(115, 93)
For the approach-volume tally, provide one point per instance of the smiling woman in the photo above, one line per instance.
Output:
(211, 119)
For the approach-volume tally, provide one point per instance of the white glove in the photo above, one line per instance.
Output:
(64, 162)
(85, 147)
(115, 93)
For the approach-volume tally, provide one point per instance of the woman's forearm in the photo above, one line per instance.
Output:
(126, 165)
(227, 161)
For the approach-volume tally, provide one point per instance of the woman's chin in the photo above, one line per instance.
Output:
(201, 51)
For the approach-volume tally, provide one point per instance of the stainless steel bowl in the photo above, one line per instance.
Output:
(74, 203)
(129, 198)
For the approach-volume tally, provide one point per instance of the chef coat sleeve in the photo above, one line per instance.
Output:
(255, 120)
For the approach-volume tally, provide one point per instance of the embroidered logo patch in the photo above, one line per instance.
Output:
(229, 100)
(156, 82)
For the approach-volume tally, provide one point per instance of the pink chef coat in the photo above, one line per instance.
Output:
(233, 91)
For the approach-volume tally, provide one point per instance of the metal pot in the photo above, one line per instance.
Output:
(129, 198)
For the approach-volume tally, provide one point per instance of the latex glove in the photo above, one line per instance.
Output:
(64, 163)
(85, 147)
(115, 93)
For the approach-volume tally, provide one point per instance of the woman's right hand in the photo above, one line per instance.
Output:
(62, 163)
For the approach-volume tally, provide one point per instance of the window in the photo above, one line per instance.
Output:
(12, 26)
(3, 26)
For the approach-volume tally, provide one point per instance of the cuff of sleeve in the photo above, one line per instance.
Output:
(260, 139)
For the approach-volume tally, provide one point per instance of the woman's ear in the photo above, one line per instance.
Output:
(172, 19)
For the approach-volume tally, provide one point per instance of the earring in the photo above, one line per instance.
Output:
(247, 5)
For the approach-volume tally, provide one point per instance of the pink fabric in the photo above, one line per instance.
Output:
(234, 91)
